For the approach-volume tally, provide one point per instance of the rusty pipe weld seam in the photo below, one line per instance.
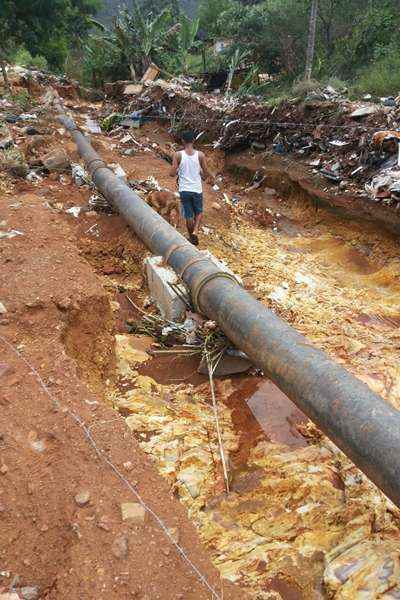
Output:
(357, 419)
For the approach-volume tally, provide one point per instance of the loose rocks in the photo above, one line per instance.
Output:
(82, 498)
(56, 160)
(133, 512)
(30, 592)
(120, 547)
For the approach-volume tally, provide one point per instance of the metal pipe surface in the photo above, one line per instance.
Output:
(358, 420)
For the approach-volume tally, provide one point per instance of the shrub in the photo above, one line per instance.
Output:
(39, 62)
(22, 57)
(382, 77)
(338, 84)
(23, 99)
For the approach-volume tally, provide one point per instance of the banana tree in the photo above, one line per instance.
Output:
(236, 59)
(142, 37)
(186, 39)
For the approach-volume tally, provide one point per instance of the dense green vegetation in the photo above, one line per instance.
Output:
(356, 41)
(47, 28)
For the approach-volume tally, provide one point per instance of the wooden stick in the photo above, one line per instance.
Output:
(211, 370)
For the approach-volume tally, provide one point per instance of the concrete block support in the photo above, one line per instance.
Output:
(159, 277)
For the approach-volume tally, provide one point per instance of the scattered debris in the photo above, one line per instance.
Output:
(92, 126)
(120, 546)
(30, 592)
(364, 111)
(74, 210)
(10, 234)
(79, 175)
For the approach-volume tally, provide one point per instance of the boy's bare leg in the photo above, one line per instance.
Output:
(190, 226)
(197, 222)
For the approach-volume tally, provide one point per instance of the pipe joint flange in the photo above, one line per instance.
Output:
(173, 249)
(101, 165)
(191, 262)
(199, 285)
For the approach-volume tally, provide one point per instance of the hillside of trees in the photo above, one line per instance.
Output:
(111, 8)
(352, 43)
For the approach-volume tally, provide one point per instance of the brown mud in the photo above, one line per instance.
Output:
(296, 504)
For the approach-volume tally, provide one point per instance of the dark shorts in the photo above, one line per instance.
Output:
(192, 204)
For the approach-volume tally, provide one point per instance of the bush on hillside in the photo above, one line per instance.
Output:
(382, 78)
(23, 58)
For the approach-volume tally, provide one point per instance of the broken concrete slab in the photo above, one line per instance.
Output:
(364, 111)
(159, 278)
(151, 73)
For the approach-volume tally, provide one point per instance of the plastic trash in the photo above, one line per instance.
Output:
(93, 126)
(75, 210)
(79, 175)
(33, 177)
(28, 117)
(10, 234)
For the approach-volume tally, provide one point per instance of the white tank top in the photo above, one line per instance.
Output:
(189, 173)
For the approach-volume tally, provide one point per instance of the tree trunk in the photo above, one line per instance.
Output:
(311, 39)
(133, 72)
(203, 55)
(5, 76)
(146, 62)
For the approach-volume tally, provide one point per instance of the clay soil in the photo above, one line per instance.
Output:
(56, 354)
(58, 437)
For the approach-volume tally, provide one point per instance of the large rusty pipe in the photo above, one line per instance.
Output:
(358, 420)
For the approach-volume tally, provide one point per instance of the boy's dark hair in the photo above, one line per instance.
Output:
(188, 137)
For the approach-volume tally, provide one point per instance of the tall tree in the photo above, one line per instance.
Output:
(311, 39)
(47, 27)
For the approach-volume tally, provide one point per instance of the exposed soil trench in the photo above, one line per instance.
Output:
(300, 522)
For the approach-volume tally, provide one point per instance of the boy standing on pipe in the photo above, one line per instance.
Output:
(190, 165)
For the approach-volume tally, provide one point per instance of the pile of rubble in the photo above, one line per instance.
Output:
(36, 82)
(347, 143)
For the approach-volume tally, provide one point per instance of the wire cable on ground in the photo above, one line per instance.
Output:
(102, 455)
(267, 123)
